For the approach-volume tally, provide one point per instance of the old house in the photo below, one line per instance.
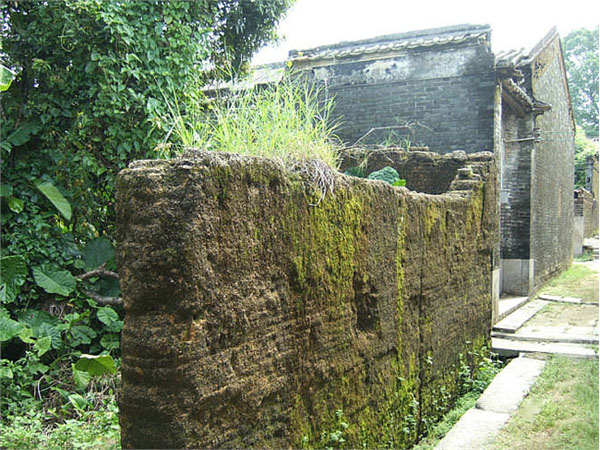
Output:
(445, 89)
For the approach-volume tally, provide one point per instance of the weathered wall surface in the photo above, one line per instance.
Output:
(585, 207)
(444, 92)
(423, 171)
(515, 201)
(552, 185)
(252, 317)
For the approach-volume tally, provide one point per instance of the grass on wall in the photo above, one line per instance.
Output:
(290, 122)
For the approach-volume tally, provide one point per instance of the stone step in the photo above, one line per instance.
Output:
(507, 305)
(514, 347)
(559, 299)
(544, 337)
(474, 430)
(511, 385)
(517, 319)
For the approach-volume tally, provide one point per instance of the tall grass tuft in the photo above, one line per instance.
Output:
(290, 122)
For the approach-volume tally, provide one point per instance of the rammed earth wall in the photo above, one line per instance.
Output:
(252, 316)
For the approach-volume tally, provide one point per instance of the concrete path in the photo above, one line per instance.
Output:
(508, 304)
(549, 325)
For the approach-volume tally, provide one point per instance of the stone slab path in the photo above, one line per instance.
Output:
(509, 347)
(558, 325)
(480, 425)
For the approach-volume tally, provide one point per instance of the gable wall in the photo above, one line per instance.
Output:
(552, 188)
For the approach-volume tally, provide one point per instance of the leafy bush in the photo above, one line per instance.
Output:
(88, 429)
(82, 85)
(387, 174)
(584, 148)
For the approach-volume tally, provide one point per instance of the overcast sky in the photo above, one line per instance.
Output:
(515, 23)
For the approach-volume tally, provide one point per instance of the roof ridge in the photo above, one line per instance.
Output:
(413, 39)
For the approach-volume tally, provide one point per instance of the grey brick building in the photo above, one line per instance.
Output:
(445, 89)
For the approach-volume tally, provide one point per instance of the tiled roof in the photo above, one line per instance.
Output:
(424, 38)
(518, 93)
(511, 58)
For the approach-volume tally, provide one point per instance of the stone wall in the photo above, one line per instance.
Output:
(423, 171)
(552, 185)
(256, 319)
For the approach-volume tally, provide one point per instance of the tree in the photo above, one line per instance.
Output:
(87, 98)
(581, 58)
(584, 148)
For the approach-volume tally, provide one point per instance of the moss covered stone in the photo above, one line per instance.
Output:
(257, 316)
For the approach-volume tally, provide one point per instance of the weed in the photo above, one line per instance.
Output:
(334, 438)
(289, 122)
(88, 429)
(586, 256)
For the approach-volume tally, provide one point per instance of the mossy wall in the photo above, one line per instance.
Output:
(422, 170)
(256, 319)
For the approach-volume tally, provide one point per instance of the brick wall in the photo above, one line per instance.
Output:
(516, 189)
(443, 96)
(552, 186)
(423, 171)
(585, 206)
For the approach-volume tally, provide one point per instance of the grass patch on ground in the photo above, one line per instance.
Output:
(561, 411)
(578, 281)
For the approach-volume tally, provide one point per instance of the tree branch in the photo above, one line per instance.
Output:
(99, 272)
(113, 301)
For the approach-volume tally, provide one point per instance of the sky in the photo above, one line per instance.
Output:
(515, 23)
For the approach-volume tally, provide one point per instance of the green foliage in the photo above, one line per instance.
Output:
(334, 438)
(97, 252)
(54, 280)
(57, 199)
(586, 256)
(584, 148)
(92, 427)
(357, 171)
(96, 365)
(477, 379)
(581, 59)
(83, 85)
(6, 77)
(289, 122)
(13, 271)
(388, 175)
